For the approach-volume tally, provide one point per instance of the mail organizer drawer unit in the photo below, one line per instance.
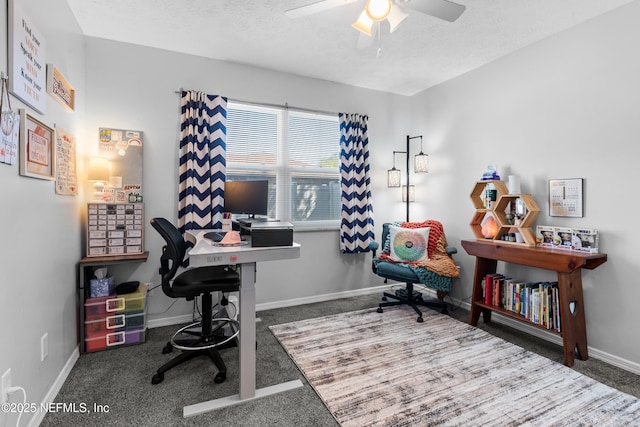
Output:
(115, 229)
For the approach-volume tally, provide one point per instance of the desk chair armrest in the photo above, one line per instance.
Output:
(373, 247)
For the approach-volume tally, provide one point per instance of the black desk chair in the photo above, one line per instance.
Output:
(201, 338)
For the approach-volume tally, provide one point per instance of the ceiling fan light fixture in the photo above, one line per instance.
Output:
(363, 23)
(396, 17)
(378, 10)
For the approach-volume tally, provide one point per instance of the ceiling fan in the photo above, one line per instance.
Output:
(376, 11)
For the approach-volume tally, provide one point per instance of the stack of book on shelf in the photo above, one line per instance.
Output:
(538, 302)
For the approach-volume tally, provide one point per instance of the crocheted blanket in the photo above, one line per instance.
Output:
(439, 262)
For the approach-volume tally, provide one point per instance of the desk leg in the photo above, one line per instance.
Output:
(247, 350)
(247, 320)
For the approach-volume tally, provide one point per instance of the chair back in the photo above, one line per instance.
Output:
(173, 252)
(385, 234)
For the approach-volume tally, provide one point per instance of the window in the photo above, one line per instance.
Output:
(298, 152)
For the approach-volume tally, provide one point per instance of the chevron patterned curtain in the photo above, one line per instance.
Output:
(356, 230)
(202, 160)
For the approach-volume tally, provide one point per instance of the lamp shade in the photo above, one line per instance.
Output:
(377, 10)
(363, 24)
(421, 164)
(412, 193)
(98, 169)
(393, 178)
(395, 18)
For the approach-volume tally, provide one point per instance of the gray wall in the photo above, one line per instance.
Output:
(565, 107)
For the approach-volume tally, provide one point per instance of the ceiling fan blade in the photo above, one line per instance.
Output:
(318, 6)
(443, 9)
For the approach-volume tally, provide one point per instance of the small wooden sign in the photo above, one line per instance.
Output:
(60, 89)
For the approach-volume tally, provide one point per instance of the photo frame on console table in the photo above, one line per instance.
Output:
(566, 197)
(36, 148)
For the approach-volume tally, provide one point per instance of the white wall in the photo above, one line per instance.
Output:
(566, 107)
(134, 87)
(40, 243)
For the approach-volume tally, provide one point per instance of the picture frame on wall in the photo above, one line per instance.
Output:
(26, 59)
(566, 197)
(37, 158)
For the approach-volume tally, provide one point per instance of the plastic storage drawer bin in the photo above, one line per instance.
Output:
(129, 320)
(136, 300)
(105, 324)
(103, 341)
(99, 308)
(134, 336)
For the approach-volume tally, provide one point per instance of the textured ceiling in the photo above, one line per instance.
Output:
(422, 52)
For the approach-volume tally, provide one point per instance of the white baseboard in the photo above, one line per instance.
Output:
(55, 387)
(320, 298)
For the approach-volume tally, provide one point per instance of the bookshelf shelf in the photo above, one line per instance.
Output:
(512, 315)
(567, 264)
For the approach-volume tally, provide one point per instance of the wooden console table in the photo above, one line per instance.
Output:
(568, 265)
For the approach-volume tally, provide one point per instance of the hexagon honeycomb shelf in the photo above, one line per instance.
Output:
(479, 202)
(499, 211)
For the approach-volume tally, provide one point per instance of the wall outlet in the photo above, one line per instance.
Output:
(5, 383)
(44, 346)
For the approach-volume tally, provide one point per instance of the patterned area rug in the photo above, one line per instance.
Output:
(386, 369)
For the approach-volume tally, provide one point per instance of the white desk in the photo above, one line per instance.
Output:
(205, 254)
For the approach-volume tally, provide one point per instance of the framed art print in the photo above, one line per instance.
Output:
(36, 148)
(565, 197)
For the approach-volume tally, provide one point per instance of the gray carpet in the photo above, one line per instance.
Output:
(121, 378)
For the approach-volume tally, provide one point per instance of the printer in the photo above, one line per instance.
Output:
(266, 233)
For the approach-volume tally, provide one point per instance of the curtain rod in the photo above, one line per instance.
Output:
(285, 106)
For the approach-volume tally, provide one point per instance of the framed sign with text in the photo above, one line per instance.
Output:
(27, 66)
(60, 89)
(36, 148)
(565, 197)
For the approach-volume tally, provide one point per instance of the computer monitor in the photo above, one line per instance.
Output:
(246, 197)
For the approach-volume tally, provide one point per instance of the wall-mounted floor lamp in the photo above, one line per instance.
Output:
(394, 176)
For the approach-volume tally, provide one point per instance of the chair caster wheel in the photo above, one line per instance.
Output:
(167, 348)
(157, 378)
(420, 320)
(220, 377)
(379, 310)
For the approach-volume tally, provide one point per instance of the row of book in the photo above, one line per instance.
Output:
(538, 302)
